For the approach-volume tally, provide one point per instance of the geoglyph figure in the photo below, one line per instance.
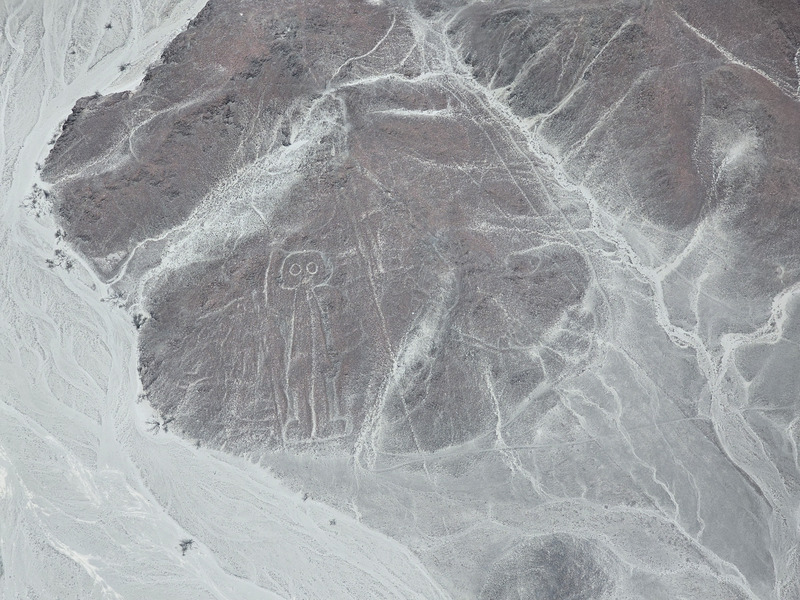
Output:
(305, 389)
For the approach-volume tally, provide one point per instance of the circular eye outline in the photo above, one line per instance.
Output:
(295, 269)
(309, 266)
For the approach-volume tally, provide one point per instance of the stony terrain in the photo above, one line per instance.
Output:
(514, 283)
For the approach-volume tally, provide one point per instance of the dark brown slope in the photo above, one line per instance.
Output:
(424, 225)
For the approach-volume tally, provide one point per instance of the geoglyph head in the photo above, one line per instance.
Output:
(305, 268)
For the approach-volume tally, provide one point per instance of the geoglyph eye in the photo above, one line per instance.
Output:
(295, 269)
(312, 268)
